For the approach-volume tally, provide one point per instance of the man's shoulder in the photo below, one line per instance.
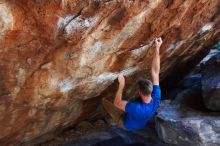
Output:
(156, 94)
(156, 89)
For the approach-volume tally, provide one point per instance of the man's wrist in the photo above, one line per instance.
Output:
(121, 86)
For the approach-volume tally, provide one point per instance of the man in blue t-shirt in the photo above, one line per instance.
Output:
(135, 115)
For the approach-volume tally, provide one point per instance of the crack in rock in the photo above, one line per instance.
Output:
(72, 24)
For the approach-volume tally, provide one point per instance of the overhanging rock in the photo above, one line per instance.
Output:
(56, 56)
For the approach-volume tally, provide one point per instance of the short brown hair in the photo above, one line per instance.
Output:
(145, 86)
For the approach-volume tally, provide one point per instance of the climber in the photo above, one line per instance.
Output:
(135, 115)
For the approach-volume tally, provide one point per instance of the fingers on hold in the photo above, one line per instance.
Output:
(120, 75)
(158, 40)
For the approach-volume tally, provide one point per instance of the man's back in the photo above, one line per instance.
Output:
(137, 114)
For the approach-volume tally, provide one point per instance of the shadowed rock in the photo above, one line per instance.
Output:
(181, 125)
(211, 83)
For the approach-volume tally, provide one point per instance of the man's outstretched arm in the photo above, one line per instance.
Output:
(118, 102)
(155, 69)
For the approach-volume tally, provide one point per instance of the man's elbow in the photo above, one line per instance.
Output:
(117, 103)
(155, 72)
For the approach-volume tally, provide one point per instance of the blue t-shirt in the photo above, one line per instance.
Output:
(137, 114)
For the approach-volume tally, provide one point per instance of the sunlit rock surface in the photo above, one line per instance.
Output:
(57, 56)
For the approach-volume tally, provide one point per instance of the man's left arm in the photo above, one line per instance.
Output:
(118, 102)
(155, 69)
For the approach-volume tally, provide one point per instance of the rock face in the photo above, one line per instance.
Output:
(186, 120)
(211, 83)
(56, 56)
(181, 125)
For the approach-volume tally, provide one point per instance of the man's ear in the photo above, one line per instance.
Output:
(139, 92)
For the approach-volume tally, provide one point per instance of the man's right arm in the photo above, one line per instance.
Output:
(155, 69)
(118, 102)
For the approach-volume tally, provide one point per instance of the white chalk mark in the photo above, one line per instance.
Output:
(75, 25)
(104, 80)
(142, 49)
(54, 81)
(174, 46)
(6, 19)
(91, 53)
(64, 21)
(207, 27)
(109, 76)
(129, 71)
(106, 77)
(66, 85)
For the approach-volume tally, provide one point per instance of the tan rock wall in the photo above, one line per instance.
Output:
(56, 56)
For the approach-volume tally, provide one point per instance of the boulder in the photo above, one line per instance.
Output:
(57, 57)
(181, 125)
(211, 83)
(186, 120)
(192, 81)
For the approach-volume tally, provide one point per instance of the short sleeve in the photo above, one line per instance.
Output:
(131, 107)
(156, 93)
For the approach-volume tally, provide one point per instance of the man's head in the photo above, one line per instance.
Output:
(145, 87)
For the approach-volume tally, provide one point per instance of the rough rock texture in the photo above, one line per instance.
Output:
(186, 120)
(97, 133)
(181, 125)
(211, 83)
(56, 56)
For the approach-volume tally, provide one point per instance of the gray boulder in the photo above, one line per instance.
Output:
(211, 83)
(184, 126)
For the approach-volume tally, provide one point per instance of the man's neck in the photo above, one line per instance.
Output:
(147, 99)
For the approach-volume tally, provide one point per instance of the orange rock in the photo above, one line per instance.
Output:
(57, 56)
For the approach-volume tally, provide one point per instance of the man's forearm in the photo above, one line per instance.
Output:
(118, 102)
(156, 62)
